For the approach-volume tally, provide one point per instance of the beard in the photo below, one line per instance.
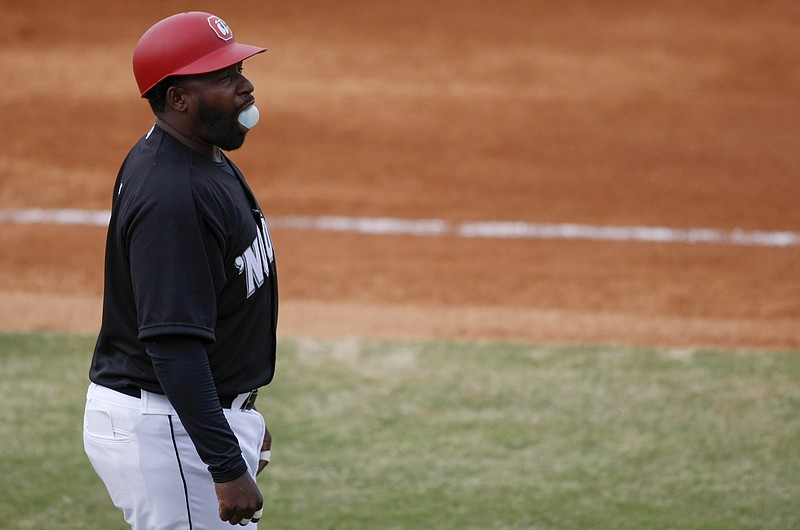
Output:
(221, 128)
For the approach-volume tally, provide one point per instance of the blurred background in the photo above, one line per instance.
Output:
(672, 114)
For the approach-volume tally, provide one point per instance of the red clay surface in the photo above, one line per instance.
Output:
(603, 113)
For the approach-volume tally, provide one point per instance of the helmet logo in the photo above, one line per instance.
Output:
(220, 28)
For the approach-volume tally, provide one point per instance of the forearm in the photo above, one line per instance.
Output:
(181, 365)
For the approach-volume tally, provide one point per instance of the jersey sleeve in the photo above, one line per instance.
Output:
(182, 367)
(172, 266)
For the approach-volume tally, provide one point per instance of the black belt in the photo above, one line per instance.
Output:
(248, 404)
(225, 401)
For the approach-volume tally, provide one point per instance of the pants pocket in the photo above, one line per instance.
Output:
(99, 425)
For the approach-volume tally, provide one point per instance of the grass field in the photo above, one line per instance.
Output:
(379, 435)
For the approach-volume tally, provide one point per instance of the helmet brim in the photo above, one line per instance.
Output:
(224, 57)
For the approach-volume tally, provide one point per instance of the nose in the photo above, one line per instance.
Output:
(246, 86)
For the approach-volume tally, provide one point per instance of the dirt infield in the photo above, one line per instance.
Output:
(595, 112)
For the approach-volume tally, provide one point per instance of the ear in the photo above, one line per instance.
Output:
(176, 98)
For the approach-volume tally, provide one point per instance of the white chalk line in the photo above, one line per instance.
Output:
(466, 229)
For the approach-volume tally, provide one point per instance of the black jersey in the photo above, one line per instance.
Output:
(188, 253)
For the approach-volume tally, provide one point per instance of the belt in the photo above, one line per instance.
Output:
(225, 400)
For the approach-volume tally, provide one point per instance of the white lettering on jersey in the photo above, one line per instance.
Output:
(254, 262)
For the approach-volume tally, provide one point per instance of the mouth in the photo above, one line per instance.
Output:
(249, 103)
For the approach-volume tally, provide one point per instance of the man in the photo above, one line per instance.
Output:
(190, 303)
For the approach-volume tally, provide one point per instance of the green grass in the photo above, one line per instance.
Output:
(390, 435)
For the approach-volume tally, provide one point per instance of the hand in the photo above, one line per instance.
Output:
(266, 445)
(238, 499)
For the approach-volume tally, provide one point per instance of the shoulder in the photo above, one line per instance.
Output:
(156, 161)
(155, 185)
(163, 176)
(162, 169)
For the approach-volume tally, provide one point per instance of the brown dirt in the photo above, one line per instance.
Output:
(614, 112)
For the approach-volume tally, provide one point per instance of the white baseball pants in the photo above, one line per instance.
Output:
(149, 465)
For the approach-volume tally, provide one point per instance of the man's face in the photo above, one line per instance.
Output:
(220, 97)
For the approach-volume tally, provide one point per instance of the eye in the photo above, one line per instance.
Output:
(231, 73)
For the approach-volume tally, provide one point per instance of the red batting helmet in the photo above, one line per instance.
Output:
(186, 44)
